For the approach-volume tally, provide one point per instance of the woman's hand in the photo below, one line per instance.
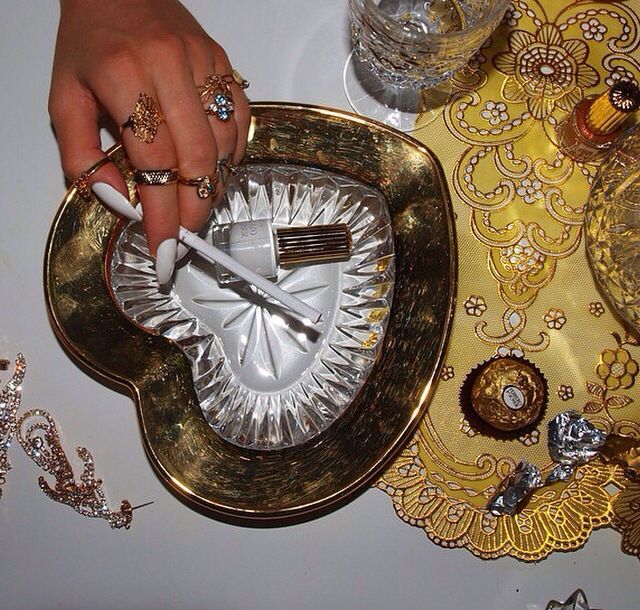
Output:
(107, 54)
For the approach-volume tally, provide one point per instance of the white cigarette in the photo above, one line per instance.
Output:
(117, 202)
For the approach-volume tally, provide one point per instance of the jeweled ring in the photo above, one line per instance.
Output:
(82, 181)
(206, 185)
(155, 177)
(217, 97)
(145, 119)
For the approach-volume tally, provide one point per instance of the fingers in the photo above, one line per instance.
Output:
(74, 114)
(223, 132)
(188, 139)
(242, 113)
(195, 145)
(161, 217)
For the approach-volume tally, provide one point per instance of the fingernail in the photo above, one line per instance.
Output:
(115, 200)
(181, 251)
(166, 260)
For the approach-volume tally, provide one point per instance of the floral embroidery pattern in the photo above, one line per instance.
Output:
(617, 368)
(541, 76)
(601, 400)
(617, 371)
(447, 373)
(530, 190)
(544, 70)
(465, 428)
(495, 112)
(593, 29)
(511, 16)
(530, 438)
(475, 305)
(555, 319)
(522, 258)
(565, 392)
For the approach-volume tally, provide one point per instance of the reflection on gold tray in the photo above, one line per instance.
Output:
(295, 484)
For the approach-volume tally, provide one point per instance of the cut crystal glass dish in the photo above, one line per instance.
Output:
(264, 379)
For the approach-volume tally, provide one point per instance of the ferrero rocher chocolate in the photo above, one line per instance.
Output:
(508, 393)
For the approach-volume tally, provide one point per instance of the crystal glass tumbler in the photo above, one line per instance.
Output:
(411, 45)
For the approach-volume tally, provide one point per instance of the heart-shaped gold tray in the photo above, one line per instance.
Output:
(298, 483)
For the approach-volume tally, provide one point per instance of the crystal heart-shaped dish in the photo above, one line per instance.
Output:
(264, 380)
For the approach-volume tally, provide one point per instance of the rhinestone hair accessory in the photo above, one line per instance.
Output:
(10, 398)
(38, 436)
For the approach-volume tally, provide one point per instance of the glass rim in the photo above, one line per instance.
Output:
(499, 6)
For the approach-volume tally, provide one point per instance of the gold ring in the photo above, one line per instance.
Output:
(225, 164)
(240, 80)
(82, 181)
(145, 119)
(155, 177)
(217, 96)
(206, 185)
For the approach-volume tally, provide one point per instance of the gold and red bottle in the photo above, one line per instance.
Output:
(588, 133)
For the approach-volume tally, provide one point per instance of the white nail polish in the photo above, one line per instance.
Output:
(166, 260)
(263, 248)
(115, 200)
(181, 252)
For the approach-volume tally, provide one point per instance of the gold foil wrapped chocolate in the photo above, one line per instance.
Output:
(506, 393)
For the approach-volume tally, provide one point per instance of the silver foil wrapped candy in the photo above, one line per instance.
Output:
(516, 488)
(573, 440)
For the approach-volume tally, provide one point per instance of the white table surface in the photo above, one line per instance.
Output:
(362, 556)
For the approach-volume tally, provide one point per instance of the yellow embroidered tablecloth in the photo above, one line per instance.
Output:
(525, 287)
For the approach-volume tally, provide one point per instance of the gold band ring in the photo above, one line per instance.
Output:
(82, 181)
(155, 177)
(145, 119)
(206, 185)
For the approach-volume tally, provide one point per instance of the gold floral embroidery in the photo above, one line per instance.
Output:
(565, 392)
(519, 202)
(555, 319)
(530, 190)
(544, 70)
(447, 373)
(495, 112)
(617, 368)
(466, 428)
(530, 438)
(627, 517)
(475, 305)
(593, 29)
(596, 308)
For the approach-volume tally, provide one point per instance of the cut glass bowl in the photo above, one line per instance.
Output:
(265, 380)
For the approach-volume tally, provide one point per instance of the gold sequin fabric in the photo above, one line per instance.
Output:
(525, 287)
